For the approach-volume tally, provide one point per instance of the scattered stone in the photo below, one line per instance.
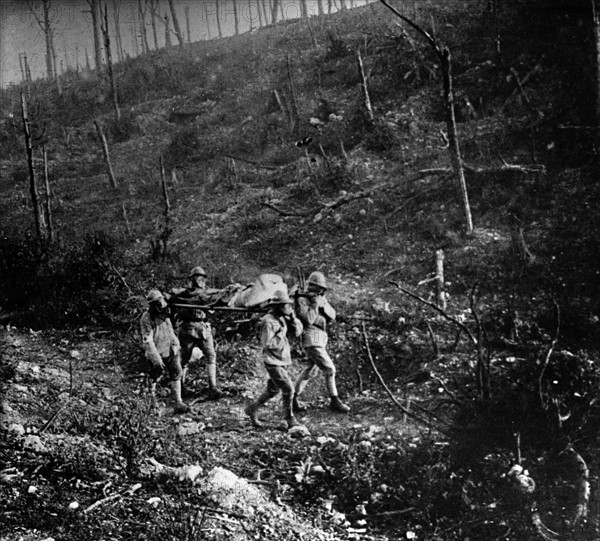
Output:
(299, 432)
(154, 501)
(17, 429)
(20, 388)
(31, 490)
(186, 429)
(34, 443)
(73, 506)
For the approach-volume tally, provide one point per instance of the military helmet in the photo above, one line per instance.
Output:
(154, 295)
(280, 297)
(197, 271)
(317, 279)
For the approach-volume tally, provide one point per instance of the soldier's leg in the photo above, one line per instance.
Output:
(251, 409)
(280, 376)
(187, 347)
(323, 361)
(208, 349)
(173, 365)
(309, 372)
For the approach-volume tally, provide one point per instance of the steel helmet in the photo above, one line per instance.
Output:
(197, 271)
(154, 295)
(280, 297)
(317, 279)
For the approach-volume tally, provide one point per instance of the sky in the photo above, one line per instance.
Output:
(20, 32)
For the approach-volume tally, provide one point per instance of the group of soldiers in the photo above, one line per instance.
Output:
(307, 315)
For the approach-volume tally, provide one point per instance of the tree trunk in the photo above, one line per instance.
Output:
(176, 26)
(274, 11)
(320, 7)
(153, 10)
(111, 176)
(119, 41)
(259, 11)
(95, 11)
(111, 75)
(364, 88)
(168, 41)
(453, 147)
(23, 76)
(50, 67)
(142, 17)
(205, 9)
(439, 279)
(303, 9)
(48, 209)
(596, 21)
(35, 199)
(236, 21)
(188, 30)
(219, 29)
(88, 67)
(294, 103)
(250, 15)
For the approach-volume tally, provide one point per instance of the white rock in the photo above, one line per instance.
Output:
(34, 443)
(16, 428)
(74, 505)
(299, 432)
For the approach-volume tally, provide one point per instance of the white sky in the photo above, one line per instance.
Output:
(20, 33)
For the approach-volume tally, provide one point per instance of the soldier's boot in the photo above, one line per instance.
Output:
(292, 422)
(214, 393)
(298, 407)
(251, 410)
(337, 405)
(180, 405)
(288, 411)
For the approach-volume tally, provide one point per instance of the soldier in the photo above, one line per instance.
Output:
(193, 329)
(316, 313)
(161, 346)
(274, 329)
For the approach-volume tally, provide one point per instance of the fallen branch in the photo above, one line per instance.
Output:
(542, 529)
(404, 410)
(216, 308)
(583, 487)
(116, 496)
(548, 355)
(443, 313)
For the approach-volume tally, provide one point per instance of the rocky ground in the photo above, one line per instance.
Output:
(72, 411)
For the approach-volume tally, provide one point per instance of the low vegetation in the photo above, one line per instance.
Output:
(478, 420)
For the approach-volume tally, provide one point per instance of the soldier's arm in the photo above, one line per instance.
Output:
(327, 310)
(148, 342)
(307, 310)
(271, 336)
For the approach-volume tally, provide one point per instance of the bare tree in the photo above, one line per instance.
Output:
(260, 15)
(205, 10)
(47, 206)
(274, 11)
(168, 41)
(142, 17)
(109, 170)
(35, 199)
(364, 88)
(596, 23)
(445, 59)
(236, 22)
(176, 26)
(303, 9)
(96, 33)
(153, 15)
(220, 30)
(250, 15)
(46, 27)
(111, 75)
(118, 40)
(187, 24)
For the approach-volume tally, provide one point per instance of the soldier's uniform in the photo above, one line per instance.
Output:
(274, 329)
(194, 330)
(316, 313)
(161, 346)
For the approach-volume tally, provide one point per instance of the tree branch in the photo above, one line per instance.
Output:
(549, 354)
(443, 313)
